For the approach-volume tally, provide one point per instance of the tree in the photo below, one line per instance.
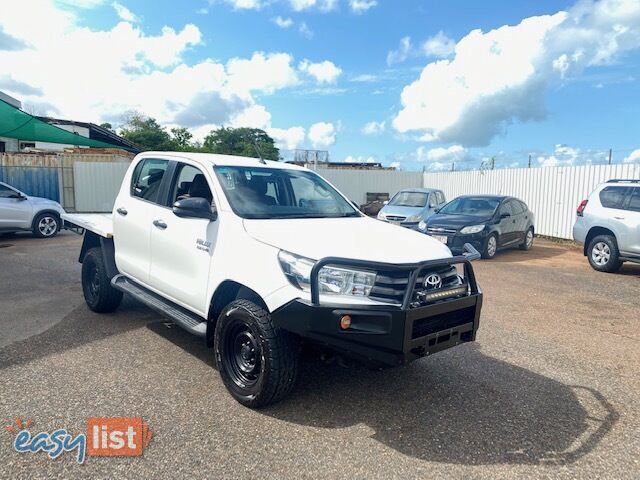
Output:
(181, 139)
(242, 142)
(107, 126)
(146, 132)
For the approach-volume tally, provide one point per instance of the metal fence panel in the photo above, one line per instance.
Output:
(356, 183)
(34, 181)
(552, 193)
(97, 185)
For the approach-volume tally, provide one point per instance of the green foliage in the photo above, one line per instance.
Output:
(107, 125)
(242, 142)
(148, 134)
(181, 138)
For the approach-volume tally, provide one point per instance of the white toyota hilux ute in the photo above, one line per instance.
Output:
(261, 257)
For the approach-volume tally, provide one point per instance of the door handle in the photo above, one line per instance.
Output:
(160, 224)
(122, 211)
(514, 221)
(619, 218)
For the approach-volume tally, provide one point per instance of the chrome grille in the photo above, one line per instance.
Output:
(396, 218)
(441, 231)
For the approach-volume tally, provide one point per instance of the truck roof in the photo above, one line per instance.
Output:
(221, 160)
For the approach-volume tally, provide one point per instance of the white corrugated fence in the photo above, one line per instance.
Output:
(552, 193)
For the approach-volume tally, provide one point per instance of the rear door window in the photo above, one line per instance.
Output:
(634, 201)
(613, 197)
(147, 178)
(516, 207)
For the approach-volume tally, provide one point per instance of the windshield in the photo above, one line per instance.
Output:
(281, 193)
(409, 199)
(480, 206)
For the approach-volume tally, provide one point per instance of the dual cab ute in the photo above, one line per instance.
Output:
(261, 257)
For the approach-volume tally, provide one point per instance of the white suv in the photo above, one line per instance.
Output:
(19, 212)
(608, 224)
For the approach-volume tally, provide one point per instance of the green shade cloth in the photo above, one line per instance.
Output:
(15, 123)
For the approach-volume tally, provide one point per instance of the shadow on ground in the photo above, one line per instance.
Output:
(538, 252)
(459, 407)
(78, 328)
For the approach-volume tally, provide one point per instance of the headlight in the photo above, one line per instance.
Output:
(344, 281)
(331, 280)
(413, 218)
(422, 226)
(472, 229)
(381, 216)
(297, 269)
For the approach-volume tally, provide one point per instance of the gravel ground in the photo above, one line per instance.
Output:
(549, 390)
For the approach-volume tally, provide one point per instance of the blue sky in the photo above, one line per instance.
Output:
(330, 74)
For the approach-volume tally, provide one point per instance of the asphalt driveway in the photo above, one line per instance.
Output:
(549, 390)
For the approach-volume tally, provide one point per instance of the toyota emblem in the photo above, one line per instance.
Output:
(433, 281)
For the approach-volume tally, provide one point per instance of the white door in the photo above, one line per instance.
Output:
(632, 224)
(133, 216)
(15, 210)
(182, 248)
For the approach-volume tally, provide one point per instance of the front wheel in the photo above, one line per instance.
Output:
(490, 247)
(258, 362)
(46, 225)
(603, 254)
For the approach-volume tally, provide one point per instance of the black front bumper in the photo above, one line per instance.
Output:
(386, 335)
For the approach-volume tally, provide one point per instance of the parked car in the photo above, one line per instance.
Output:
(608, 225)
(257, 257)
(410, 206)
(21, 212)
(488, 222)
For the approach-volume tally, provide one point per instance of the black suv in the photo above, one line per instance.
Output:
(488, 222)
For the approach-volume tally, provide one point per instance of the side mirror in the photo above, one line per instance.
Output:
(195, 207)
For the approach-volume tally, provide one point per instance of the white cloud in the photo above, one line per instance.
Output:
(373, 128)
(361, 6)
(282, 22)
(322, 134)
(322, 5)
(454, 153)
(322, 72)
(125, 68)
(246, 4)
(401, 53)
(365, 78)
(565, 155)
(124, 13)
(287, 138)
(502, 75)
(634, 157)
(395, 165)
(305, 31)
(439, 46)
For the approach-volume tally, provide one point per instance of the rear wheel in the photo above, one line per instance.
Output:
(490, 246)
(603, 254)
(46, 225)
(258, 363)
(100, 296)
(527, 243)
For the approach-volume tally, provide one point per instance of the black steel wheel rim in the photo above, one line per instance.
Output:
(94, 282)
(242, 355)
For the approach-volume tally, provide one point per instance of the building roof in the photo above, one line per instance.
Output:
(96, 132)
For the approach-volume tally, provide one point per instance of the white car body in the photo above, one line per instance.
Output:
(253, 281)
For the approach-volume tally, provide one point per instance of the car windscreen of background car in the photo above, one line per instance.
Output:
(409, 199)
(281, 193)
(471, 206)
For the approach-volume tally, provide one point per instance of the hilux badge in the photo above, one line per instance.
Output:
(433, 281)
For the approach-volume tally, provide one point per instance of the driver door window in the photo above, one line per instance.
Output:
(190, 183)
